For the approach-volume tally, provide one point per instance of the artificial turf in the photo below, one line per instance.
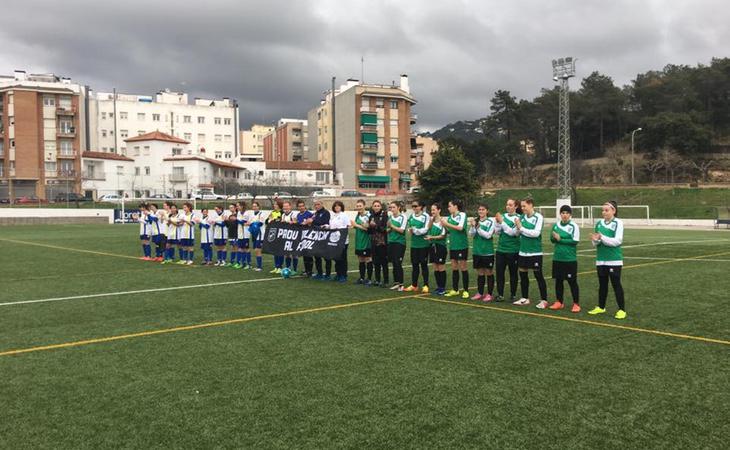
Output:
(407, 372)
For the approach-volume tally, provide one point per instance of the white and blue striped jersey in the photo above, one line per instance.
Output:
(186, 229)
(206, 229)
(220, 230)
(241, 218)
(144, 225)
(154, 223)
(254, 216)
(172, 222)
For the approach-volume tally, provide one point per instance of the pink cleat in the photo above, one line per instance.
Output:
(487, 298)
(476, 296)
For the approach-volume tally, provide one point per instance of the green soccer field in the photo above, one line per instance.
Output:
(99, 349)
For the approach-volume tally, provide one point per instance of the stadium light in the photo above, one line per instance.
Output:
(563, 70)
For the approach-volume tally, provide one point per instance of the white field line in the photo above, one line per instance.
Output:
(227, 283)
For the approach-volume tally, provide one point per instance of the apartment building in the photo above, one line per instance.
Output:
(288, 141)
(207, 124)
(372, 135)
(422, 155)
(42, 134)
(252, 142)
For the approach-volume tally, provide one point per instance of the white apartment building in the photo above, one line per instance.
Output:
(206, 124)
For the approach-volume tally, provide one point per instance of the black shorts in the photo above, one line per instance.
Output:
(365, 253)
(530, 262)
(460, 255)
(607, 271)
(565, 270)
(419, 255)
(437, 254)
(396, 251)
(483, 262)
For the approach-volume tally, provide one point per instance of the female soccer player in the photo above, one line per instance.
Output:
(418, 226)
(565, 235)
(186, 233)
(437, 253)
(396, 243)
(144, 231)
(243, 258)
(321, 218)
(529, 226)
(256, 232)
(508, 248)
(340, 221)
(607, 238)
(378, 226)
(275, 216)
(205, 223)
(305, 218)
(362, 243)
(172, 240)
(220, 235)
(156, 231)
(482, 230)
(458, 246)
(289, 216)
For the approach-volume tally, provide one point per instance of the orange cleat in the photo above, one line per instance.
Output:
(575, 308)
(411, 289)
(556, 306)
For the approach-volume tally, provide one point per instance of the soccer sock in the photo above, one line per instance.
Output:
(559, 290)
(424, 271)
(239, 257)
(361, 266)
(525, 284)
(455, 280)
(490, 284)
(180, 253)
(480, 284)
(386, 277)
(147, 250)
(248, 258)
(377, 273)
(501, 266)
(442, 279)
(618, 290)
(513, 271)
(541, 284)
(234, 256)
(574, 290)
(465, 279)
(369, 266)
(414, 274)
(295, 263)
(259, 261)
(190, 254)
(287, 261)
(224, 255)
(602, 291)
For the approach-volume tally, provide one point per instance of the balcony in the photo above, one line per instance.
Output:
(178, 178)
(369, 128)
(67, 154)
(50, 173)
(93, 175)
(369, 166)
(68, 111)
(66, 132)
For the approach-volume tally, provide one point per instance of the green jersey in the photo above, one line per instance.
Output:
(457, 238)
(531, 234)
(483, 233)
(400, 223)
(418, 224)
(565, 248)
(437, 230)
(608, 249)
(362, 237)
(509, 239)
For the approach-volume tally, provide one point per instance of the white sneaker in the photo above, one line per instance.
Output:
(189, 263)
(522, 302)
(542, 305)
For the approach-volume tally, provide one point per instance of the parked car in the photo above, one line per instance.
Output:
(241, 196)
(4, 200)
(70, 197)
(29, 200)
(109, 198)
(283, 194)
(161, 197)
(317, 194)
(380, 192)
(206, 195)
(352, 194)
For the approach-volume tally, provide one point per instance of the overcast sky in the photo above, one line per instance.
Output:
(276, 57)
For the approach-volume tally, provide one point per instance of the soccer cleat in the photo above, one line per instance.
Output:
(575, 308)
(556, 305)
(367, 283)
(543, 304)
(440, 292)
(411, 288)
(477, 296)
(521, 302)
(451, 293)
(159, 259)
(400, 288)
(620, 314)
(499, 298)
(360, 281)
(258, 269)
(273, 270)
(596, 310)
(181, 262)
(189, 262)
(487, 298)
(465, 295)
(395, 286)
(424, 290)
(236, 266)
(325, 278)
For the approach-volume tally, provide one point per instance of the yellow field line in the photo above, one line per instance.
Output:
(58, 247)
(581, 321)
(197, 326)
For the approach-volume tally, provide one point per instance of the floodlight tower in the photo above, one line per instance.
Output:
(563, 70)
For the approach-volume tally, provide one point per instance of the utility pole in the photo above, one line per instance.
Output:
(334, 136)
(633, 178)
(563, 70)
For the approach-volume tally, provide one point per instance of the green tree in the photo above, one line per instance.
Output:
(450, 176)
(679, 131)
(599, 108)
(504, 110)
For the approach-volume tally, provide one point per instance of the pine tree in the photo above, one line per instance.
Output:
(450, 176)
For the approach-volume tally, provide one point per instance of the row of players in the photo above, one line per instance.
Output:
(380, 241)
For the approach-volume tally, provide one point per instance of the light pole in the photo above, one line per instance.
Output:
(563, 70)
(633, 179)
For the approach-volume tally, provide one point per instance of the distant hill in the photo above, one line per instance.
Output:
(468, 130)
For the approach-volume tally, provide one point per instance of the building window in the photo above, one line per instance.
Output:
(49, 100)
(136, 150)
(120, 170)
(393, 122)
(217, 120)
(227, 138)
(178, 173)
(322, 177)
(123, 133)
(228, 155)
(111, 115)
(140, 116)
(123, 115)
(201, 120)
(379, 102)
(136, 170)
(147, 170)
(103, 133)
(176, 151)
(186, 119)
(226, 121)
(188, 136)
(140, 132)
(394, 159)
(368, 185)
(393, 141)
(201, 138)
(146, 151)
(217, 138)
(218, 155)
(67, 167)
(67, 147)
(155, 117)
(394, 104)
(103, 115)
(50, 166)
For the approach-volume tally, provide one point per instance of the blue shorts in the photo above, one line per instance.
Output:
(219, 242)
(258, 244)
(242, 243)
(172, 241)
(144, 237)
(205, 244)
(157, 238)
(187, 242)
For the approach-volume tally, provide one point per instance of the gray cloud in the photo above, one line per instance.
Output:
(276, 57)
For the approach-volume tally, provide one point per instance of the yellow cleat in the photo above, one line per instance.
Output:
(596, 310)
(465, 295)
(620, 314)
(451, 293)
(424, 290)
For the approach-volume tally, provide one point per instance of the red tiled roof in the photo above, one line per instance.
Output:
(157, 136)
(212, 161)
(297, 165)
(105, 155)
